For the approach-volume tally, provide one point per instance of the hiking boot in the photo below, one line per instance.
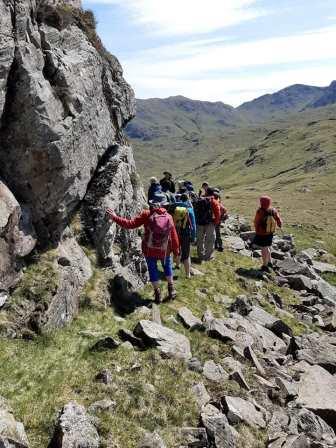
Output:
(157, 296)
(265, 269)
(220, 249)
(171, 292)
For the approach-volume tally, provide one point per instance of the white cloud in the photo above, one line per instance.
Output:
(225, 70)
(207, 60)
(181, 17)
(231, 89)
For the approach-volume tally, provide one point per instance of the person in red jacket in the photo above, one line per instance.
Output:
(159, 241)
(266, 220)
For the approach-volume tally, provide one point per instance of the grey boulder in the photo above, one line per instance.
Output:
(239, 410)
(74, 429)
(315, 349)
(12, 432)
(317, 392)
(214, 372)
(189, 320)
(169, 342)
(219, 431)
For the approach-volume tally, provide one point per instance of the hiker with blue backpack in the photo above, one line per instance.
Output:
(159, 241)
(266, 220)
(185, 223)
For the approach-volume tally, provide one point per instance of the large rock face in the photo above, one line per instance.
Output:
(63, 102)
(63, 105)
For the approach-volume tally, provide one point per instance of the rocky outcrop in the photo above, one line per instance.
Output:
(63, 105)
(17, 237)
(12, 433)
(74, 429)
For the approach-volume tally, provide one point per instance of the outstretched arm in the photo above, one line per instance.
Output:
(133, 223)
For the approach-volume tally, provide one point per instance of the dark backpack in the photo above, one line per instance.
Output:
(203, 211)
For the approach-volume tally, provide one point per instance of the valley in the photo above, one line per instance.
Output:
(291, 154)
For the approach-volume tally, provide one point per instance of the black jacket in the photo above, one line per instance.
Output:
(167, 185)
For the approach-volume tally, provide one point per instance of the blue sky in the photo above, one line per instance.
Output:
(219, 50)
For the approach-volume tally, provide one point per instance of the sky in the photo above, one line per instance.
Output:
(219, 50)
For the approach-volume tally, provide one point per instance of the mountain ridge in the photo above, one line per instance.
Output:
(158, 117)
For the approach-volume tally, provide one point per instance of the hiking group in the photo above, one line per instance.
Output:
(177, 217)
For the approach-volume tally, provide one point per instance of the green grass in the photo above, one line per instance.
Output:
(39, 377)
(33, 285)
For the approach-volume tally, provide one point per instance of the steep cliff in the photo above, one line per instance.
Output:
(63, 105)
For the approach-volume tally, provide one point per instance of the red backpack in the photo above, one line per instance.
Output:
(159, 227)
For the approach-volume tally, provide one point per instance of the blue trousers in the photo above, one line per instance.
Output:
(154, 275)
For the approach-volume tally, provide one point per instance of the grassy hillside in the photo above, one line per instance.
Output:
(296, 166)
(38, 377)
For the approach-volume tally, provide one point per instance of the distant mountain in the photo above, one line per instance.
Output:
(274, 106)
(178, 116)
(183, 134)
(327, 98)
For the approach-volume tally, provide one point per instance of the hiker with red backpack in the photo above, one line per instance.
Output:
(159, 241)
(208, 215)
(266, 221)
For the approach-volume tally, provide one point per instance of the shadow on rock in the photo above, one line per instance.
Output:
(250, 273)
(123, 299)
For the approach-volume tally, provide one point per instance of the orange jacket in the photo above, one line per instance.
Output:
(259, 220)
(143, 220)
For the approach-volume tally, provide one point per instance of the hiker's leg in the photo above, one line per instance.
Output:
(266, 255)
(187, 267)
(168, 268)
(153, 272)
(269, 255)
(185, 244)
(210, 239)
(200, 241)
(219, 242)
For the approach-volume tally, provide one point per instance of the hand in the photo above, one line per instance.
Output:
(110, 213)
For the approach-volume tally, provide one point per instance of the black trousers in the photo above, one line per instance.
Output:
(218, 242)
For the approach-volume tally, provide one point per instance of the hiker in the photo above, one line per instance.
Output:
(223, 218)
(181, 187)
(154, 188)
(266, 220)
(190, 188)
(185, 223)
(203, 191)
(208, 215)
(159, 241)
(167, 183)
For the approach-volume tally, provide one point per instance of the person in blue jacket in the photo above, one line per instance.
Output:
(186, 231)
